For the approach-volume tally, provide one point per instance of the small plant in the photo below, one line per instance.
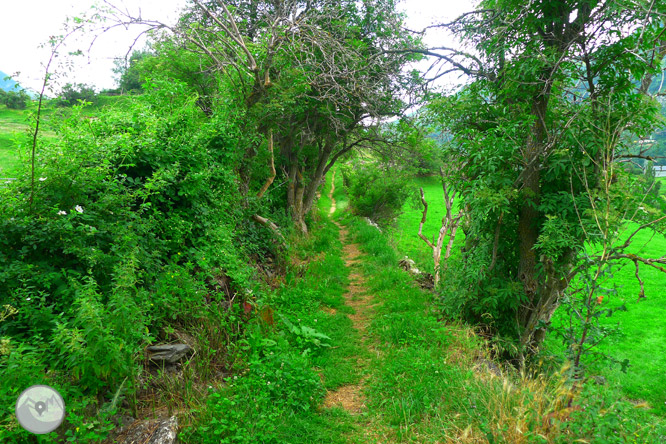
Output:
(277, 384)
(307, 338)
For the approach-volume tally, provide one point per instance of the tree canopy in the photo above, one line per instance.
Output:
(558, 93)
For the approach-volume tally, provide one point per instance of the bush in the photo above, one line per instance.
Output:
(133, 226)
(278, 383)
(376, 193)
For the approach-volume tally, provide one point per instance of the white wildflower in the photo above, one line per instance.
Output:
(79, 208)
(27, 299)
(42, 179)
(62, 213)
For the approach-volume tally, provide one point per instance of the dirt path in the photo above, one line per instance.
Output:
(350, 397)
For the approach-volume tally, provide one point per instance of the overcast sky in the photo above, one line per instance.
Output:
(25, 24)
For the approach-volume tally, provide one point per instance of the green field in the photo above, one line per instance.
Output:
(405, 235)
(642, 335)
(13, 131)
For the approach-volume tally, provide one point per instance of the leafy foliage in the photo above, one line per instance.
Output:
(135, 220)
(73, 94)
(540, 129)
(131, 75)
(14, 99)
(376, 193)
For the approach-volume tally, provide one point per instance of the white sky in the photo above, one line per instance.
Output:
(25, 24)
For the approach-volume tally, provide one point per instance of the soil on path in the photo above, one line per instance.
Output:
(350, 397)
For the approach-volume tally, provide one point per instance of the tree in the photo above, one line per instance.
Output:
(450, 224)
(130, 74)
(16, 99)
(316, 74)
(557, 92)
(72, 94)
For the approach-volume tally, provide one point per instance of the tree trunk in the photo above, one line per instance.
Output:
(317, 177)
(528, 229)
(301, 195)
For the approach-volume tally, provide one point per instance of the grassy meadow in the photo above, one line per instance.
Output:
(405, 235)
(13, 132)
(642, 335)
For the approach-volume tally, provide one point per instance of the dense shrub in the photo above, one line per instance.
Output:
(376, 193)
(133, 225)
(15, 99)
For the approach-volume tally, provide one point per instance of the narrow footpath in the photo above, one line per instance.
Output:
(350, 397)
(358, 297)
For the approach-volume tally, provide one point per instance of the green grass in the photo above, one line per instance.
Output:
(425, 388)
(310, 298)
(642, 328)
(13, 129)
(341, 200)
(420, 379)
(404, 234)
(15, 125)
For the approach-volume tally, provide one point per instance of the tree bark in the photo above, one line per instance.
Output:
(528, 228)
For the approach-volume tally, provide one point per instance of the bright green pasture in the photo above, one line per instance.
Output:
(405, 233)
(13, 130)
(642, 335)
(15, 127)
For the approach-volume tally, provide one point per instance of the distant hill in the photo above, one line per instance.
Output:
(7, 85)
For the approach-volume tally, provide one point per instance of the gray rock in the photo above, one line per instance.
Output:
(161, 431)
(372, 224)
(409, 265)
(168, 353)
(166, 432)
